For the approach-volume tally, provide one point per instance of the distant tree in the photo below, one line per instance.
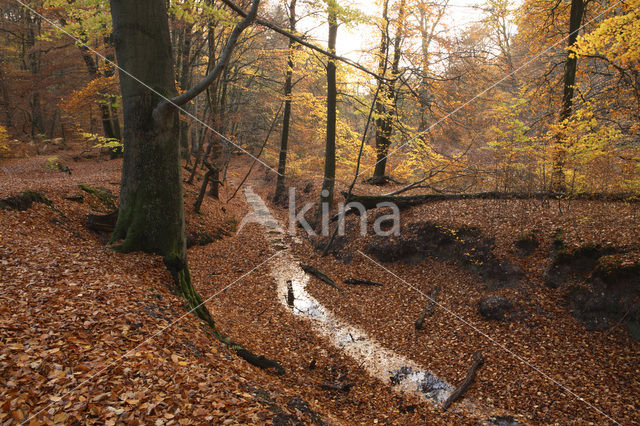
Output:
(387, 102)
(90, 23)
(286, 117)
(569, 80)
(328, 183)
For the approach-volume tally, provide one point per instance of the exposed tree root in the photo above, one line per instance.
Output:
(103, 223)
(102, 194)
(182, 279)
(24, 201)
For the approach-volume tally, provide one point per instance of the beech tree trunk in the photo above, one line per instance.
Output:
(151, 215)
(386, 107)
(571, 66)
(286, 117)
(332, 97)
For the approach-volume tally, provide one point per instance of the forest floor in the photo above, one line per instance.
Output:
(93, 336)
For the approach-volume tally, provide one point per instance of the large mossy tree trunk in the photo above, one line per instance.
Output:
(151, 215)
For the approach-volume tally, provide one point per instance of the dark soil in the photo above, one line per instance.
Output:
(466, 245)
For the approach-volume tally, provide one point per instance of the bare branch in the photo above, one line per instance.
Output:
(303, 42)
(220, 65)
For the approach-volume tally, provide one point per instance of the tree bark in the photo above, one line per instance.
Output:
(4, 97)
(185, 81)
(382, 133)
(571, 66)
(151, 215)
(332, 95)
(286, 117)
(384, 124)
(356, 281)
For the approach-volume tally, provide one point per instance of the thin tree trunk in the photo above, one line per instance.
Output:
(185, 81)
(332, 95)
(382, 133)
(115, 121)
(108, 113)
(571, 66)
(54, 121)
(4, 99)
(286, 118)
(37, 123)
(385, 122)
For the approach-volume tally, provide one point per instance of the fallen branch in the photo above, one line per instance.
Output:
(259, 360)
(380, 181)
(408, 187)
(340, 387)
(355, 281)
(372, 201)
(290, 297)
(478, 360)
(312, 270)
(428, 310)
(103, 222)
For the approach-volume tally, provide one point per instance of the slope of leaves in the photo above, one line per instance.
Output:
(91, 336)
(549, 344)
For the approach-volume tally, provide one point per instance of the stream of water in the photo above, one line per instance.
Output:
(380, 362)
